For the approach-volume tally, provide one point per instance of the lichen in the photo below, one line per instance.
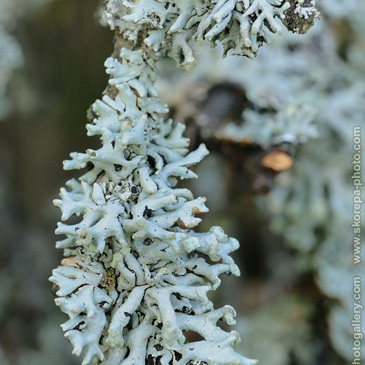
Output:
(136, 277)
(240, 26)
(137, 274)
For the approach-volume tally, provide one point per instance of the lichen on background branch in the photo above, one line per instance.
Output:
(241, 26)
(136, 275)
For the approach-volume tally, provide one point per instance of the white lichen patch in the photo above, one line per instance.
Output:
(293, 124)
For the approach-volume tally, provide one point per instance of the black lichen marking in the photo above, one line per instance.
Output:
(147, 212)
(147, 241)
(89, 165)
(177, 355)
(151, 161)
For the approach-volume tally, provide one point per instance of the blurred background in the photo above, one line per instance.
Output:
(280, 132)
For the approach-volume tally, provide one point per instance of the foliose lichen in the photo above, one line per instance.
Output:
(136, 275)
(240, 26)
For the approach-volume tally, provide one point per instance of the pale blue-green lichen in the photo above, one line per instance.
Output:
(136, 275)
(241, 26)
(138, 227)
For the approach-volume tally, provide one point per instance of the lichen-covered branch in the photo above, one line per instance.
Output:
(241, 26)
(136, 277)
